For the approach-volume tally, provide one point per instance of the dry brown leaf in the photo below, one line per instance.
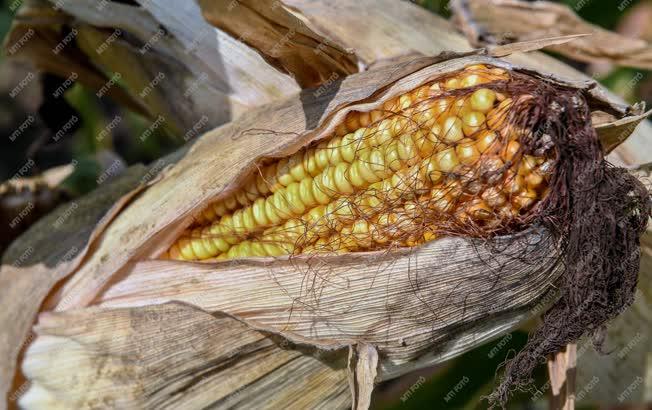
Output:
(36, 196)
(194, 81)
(228, 75)
(505, 21)
(614, 132)
(282, 38)
(363, 364)
(561, 371)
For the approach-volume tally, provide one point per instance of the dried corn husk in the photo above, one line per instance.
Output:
(283, 38)
(113, 358)
(500, 21)
(112, 265)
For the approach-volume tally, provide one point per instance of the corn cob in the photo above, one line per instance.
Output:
(444, 159)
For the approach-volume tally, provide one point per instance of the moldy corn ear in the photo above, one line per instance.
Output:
(447, 158)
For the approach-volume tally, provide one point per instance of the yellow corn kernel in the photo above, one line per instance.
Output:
(467, 152)
(452, 129)
(485, 140)
(483, 100)
(472, 122)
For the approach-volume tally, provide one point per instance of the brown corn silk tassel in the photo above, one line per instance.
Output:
(443, 159)
(598, 212)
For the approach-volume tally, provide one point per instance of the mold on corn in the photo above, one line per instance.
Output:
(443, 159)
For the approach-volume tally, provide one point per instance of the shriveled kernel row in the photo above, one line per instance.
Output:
(429, 163)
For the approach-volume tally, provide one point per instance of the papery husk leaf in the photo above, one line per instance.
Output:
(286, 41)
(363, 366)
(381, 30)
(613, 133)
(230, 67)
(210, 78)
(45, 254)
(505, 21)
(172, 356)
(209, 73)
(505, 50)
(562, 370)
(431, 303)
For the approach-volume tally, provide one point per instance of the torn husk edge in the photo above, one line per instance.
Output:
(203, 183)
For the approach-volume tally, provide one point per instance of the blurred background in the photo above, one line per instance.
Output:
(104, 134)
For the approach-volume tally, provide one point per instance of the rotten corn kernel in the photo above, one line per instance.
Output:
(428, 163)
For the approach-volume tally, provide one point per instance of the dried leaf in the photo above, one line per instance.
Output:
(198, 80)
(504, 50)
(561, 371)
(172, 356)
(381, 29)
(504, 21)
(363, 364)
(285, 40)
(219, 62)
(614, 133)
